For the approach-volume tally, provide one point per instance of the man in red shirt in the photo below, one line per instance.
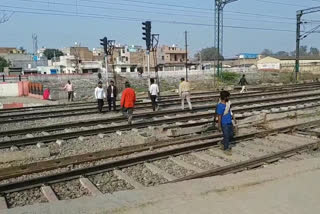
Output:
(128, 99)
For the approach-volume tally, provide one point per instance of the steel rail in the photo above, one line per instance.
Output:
(253, 163)
(162, 97)
(70, 135)
(154, 114)
(119, 164)
(92, 109)
(26, 169)
(10, 172)
(147, 104)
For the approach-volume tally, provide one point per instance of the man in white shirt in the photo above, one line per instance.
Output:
(100, 95)
(154, 92)
(69, 88)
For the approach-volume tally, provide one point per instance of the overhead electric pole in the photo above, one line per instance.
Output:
(218, 35)
(300, 36)
(186, 44)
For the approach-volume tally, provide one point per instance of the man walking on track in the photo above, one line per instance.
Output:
(243, 82)
(225, 121)
(154, 92)
(69, 88)
(184, 92)
(128, 99)
(112, 93)
(100, 95)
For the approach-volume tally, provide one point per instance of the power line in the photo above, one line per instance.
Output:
(259, 14)
(187, 15)
(153, 12)
(112, 8)
(280, 3)
(208, 11)
(151, 3)
(133, 19)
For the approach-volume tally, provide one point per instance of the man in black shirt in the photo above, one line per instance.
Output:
(243, 82)
(112, 93)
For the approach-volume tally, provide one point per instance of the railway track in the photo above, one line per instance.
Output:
(198, 159)
(252, 97)
(167, 97)
(311, 103)
(37, 115)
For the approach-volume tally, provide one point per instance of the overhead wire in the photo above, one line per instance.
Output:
(112, 8)
(150, 3)
(134, 19)
(186, 15)
(164, 13)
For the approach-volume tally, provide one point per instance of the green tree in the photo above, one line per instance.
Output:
(208, 54)
(267, 52)
(303, 51)
(281, 53)
(314, 51)
(3, 63)
(51, 53)
(22, 49)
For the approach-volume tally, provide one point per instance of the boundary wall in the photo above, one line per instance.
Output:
(14, 89)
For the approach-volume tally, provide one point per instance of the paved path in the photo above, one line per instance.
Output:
(287, 188)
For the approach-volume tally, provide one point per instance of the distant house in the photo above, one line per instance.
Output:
(269, 64)
(248, 56)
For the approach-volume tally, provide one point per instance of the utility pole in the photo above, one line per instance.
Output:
(218, 36)
(297, 64)
(35, 48)
(186, 45)
(300, 36)
(154, 48)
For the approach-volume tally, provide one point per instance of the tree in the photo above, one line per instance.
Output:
(51, 53)
(22, 49)
(267, 52)
(281, 53)
(209, 54)
(3, 63)
(314, 51)
(303, 51)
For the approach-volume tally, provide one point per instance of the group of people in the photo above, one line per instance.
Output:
(128, 98)
(111, 95)
(223, 113)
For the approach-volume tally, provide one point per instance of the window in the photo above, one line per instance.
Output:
(162, 57)
(175, 57)
(127, 59)
(123, 69)
(132, 69)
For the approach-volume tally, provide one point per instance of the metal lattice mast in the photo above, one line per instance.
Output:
(218, 33)
(300, 36)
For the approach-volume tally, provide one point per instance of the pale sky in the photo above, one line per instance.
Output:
(61, 23)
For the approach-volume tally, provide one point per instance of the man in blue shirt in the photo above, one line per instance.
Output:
(225, 121)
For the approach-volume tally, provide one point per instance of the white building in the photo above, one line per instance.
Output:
(269, 64)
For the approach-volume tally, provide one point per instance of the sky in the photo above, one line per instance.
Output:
(250, 25)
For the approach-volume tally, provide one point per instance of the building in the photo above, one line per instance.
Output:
(248, 56)
(171, 58)
(9, 50)
(24, 63)
(131, 59)
(269, 64)
(287, 64)
(82, 53)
